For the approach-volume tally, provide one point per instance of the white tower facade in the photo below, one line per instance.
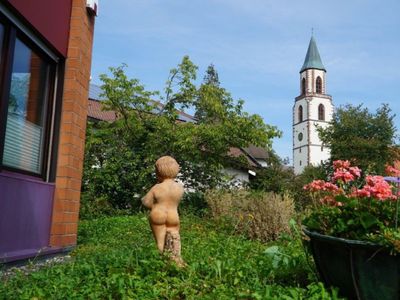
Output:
(312, 109)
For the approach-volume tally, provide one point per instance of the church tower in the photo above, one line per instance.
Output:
(312, 109)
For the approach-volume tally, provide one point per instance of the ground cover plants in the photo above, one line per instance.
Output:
(116, 259)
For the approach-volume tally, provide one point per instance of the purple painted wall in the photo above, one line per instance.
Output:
(25, 214)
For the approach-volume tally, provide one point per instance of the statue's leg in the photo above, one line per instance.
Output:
(173, 246)
(159, 232)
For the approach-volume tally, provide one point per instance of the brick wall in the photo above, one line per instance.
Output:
(73, 127)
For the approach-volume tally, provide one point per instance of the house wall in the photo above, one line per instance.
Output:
(26, 200)
(39, 212)
(24, 216)
(239, 177)
(300, 148)
(319, 154)
(73, 128)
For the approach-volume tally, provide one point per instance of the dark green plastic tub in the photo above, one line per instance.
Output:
(361, 270)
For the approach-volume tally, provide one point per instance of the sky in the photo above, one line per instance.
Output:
(258, 48)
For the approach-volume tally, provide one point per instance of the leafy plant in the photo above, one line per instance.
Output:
(365, 138)
(277, 177)
(353, 207)
(116, 258)
(194, 203)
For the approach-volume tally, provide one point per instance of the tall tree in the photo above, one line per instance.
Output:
(120, 155)
(213, 102)
(211, 76)
(180, 88)
(363, 137)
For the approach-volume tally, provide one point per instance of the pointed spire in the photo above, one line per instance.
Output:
(312, 60)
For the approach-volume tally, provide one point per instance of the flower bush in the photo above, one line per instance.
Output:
(355, 206)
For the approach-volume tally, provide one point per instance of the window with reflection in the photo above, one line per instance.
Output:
(27, 109)
(321, 112)
(300, 113)
(318, 85)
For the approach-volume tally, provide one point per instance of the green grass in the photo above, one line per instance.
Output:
(116, 258)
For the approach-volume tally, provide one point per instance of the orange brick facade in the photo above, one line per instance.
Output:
(73, 126)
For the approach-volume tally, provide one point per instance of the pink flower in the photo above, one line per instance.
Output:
(321, 185)
(343, 174)
(377, 187)
(364, 193)
(382, 191)
(392, 171)
(373, 180)
(355, 171)
(316, 185)
(341, 164)
(329, 200)
(331, 187)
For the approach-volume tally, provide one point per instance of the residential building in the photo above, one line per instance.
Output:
(45, 61)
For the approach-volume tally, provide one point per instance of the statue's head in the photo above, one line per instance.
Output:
(166, 168)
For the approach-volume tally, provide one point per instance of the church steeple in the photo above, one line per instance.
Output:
(312, 109)
(312, 60)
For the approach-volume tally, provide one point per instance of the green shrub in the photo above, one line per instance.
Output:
(194, 203)
(302, 197)
(96, 207)
(258, 215)
(277, 178)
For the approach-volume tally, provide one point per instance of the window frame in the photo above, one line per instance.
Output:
(318, 85)
(300, 113)
(321, 112)
(12, 32)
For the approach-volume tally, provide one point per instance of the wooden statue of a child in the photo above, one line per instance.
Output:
(163, 200)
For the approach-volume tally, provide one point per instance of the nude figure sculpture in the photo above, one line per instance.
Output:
(163, 200)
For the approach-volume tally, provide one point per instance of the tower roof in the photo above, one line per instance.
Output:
(312, 60)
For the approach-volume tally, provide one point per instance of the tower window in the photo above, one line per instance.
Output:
(318, 85)
(300, 113)
(300, 163)
(303, 86)
(321, 112)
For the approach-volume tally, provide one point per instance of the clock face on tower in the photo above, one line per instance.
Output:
(300, 136)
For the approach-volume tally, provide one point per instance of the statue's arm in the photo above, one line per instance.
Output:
(148, 199)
